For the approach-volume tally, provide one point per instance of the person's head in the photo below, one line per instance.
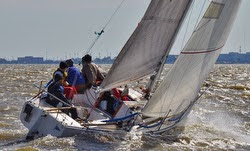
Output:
(87, 58)
(63, 65)
(69, 62)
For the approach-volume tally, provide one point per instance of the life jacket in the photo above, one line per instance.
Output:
(125, 98)
(117, 94)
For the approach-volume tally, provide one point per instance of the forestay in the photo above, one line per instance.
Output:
(182, 83)
(149, 43)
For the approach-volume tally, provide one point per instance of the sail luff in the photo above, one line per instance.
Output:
(148, 44)
(184, 80)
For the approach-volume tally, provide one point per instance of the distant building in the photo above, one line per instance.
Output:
(48, 61)
(105, 60)
(30, 60)
(3, 61)
(233, 58)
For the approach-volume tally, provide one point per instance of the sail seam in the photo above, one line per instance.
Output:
(153, 18)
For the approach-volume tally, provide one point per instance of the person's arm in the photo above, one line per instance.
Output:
(47, 84)
(99, 75)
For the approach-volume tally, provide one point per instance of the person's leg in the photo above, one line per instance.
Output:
(52, 102)
(69, 92)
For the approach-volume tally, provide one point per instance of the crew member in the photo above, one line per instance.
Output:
(90, 72)
(62, 72)
(56, 96)
(75, 78)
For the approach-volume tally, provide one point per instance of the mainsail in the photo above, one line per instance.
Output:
(181, 85)
(151, 40)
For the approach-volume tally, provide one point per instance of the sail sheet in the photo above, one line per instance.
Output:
(150, 41)
(182, 83)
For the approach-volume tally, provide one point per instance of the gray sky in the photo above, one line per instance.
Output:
(65, 28)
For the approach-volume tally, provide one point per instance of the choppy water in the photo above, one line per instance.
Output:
(219, 121)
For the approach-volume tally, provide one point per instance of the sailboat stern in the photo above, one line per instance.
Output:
(30, 114)
(41, 123)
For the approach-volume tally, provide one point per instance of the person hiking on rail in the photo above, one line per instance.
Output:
(56, 96)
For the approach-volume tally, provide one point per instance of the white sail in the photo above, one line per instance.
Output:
(182, 83)
(149, 43)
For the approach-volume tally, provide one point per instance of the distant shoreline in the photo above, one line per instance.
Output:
(111, 64)
(230, 58)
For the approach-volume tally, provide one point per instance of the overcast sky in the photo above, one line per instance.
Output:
(65, 28)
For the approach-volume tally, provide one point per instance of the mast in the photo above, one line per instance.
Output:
(156, 77)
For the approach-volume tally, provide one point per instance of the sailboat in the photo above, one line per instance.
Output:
(144, 55)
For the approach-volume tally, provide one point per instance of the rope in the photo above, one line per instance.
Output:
(102, 31)
(94, 98)
(88, 98)
(163, 120)
(113, 14)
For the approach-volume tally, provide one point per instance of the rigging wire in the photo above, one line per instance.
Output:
(185, 34)
(188, 23)
(102, 31)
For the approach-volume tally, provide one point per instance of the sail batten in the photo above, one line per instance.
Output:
(198, 51)
(181, 85)
(149, 43)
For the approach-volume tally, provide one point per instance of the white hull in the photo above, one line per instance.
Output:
(42, 119)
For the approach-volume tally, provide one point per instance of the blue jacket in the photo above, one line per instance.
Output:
(75, 77)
